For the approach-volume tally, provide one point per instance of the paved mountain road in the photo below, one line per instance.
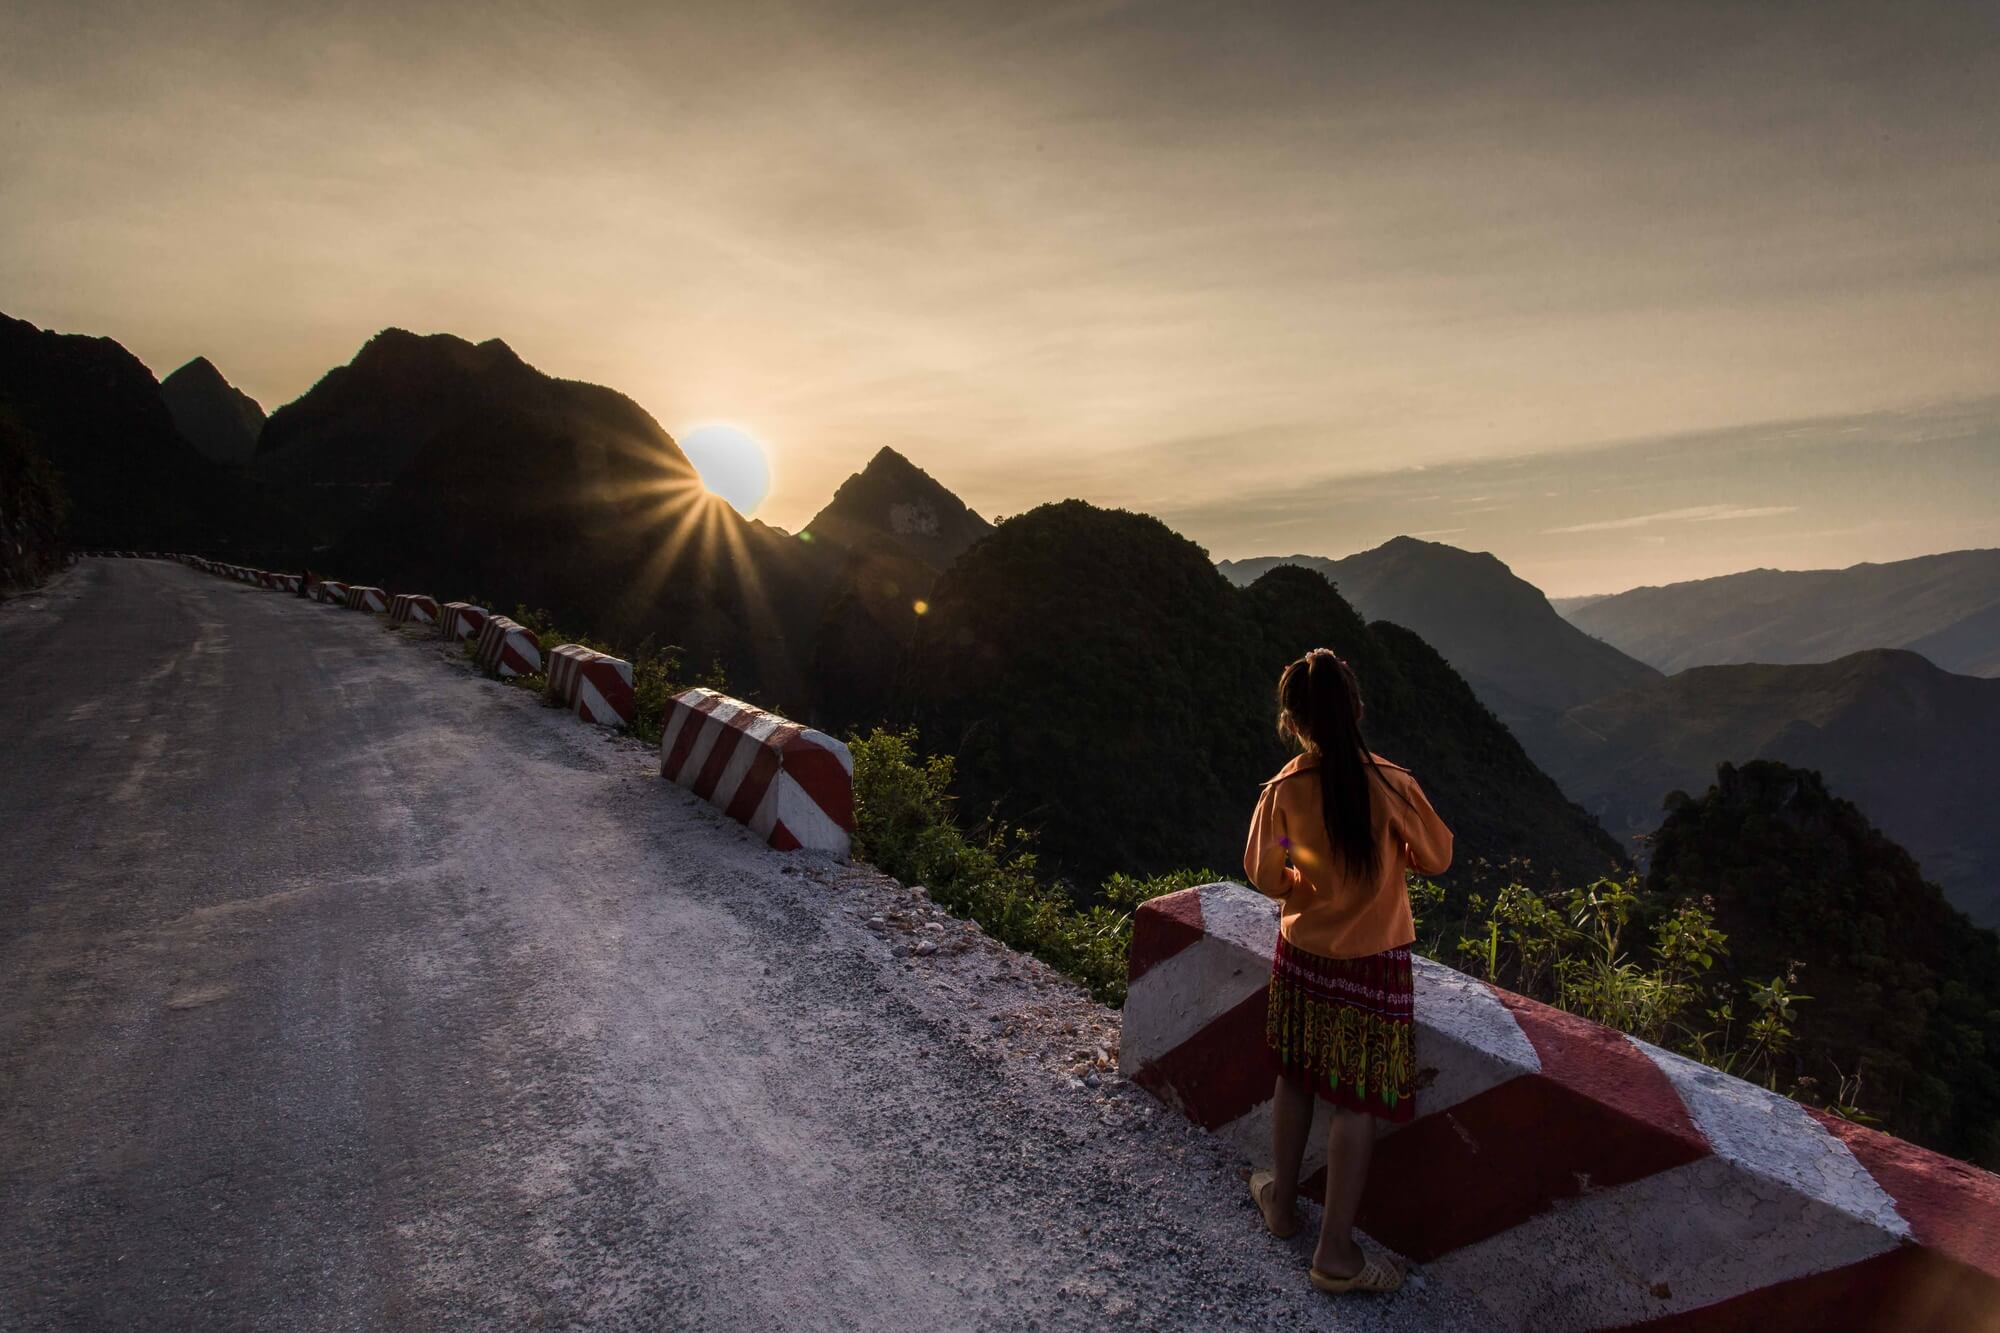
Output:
(341, 989)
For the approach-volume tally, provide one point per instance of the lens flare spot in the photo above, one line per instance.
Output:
(920, 606)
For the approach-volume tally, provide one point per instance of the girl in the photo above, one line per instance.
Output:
(1333, 833)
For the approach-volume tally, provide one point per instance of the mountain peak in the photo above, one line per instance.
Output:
(214, 415)
(397, 346)
(199, 368)
(894, 499)
(1497, 630)
(886, 459)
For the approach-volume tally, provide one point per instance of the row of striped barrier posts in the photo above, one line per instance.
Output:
(1568, 1176)
(791, 785)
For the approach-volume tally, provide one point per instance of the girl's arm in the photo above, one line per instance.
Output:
(1264, 855)
(1426, 841)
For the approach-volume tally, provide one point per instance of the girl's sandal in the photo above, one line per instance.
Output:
(1374, 1276)
(1259, 1180)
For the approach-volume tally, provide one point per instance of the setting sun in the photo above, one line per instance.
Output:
(733, 463)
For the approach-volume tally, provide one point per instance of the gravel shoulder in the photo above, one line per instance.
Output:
(340, 988)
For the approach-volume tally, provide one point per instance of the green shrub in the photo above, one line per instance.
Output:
(655, 681)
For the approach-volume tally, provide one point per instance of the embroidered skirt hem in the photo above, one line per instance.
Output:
(1345, 1029)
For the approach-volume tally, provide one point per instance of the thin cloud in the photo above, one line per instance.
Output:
(1691, 514)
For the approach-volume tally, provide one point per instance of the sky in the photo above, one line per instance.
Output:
(1624, 293)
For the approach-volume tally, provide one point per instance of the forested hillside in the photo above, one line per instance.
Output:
(1918, 749)
(1101, 681)
(1905, 992)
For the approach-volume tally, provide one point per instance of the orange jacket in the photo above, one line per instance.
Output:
(1326, 910)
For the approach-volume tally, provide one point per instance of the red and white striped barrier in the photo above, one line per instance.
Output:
(597, 686)
(792, 785)
(462, 620)
(409, 608)
(360, 597)
(1571, 1177)
(332, 593)
(288, 583)
(507, 648)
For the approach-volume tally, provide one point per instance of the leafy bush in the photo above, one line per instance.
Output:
(1571, 950)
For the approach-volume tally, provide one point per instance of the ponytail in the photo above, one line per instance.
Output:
(1319, 706)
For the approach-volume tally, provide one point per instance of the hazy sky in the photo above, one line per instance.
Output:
(1623, 292)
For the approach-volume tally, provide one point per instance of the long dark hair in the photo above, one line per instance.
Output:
(1319, 706)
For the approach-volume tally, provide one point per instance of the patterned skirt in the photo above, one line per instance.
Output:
(1344, 1028)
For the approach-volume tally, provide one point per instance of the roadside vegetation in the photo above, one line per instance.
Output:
(1604, 951)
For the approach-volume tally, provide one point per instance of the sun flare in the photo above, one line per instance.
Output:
(733, 463)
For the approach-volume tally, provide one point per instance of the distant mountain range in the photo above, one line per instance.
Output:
(1946, 607)
(1524, 661)
(1917, 748)
(1913, 745)
(212, 414)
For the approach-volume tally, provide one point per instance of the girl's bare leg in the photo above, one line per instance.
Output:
(1291, 1121)
(1350, 1142)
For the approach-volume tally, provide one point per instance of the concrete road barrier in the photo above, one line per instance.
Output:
(792, 785)
(361, 597)
(332, 593)
(1571, 1177)
(596, 686)
(507, 648)
(409, 608)
(462, 620)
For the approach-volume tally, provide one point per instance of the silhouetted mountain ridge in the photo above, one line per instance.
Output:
(1524, 661)
(430, 461)
(1945, 606)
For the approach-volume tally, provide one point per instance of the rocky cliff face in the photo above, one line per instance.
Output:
(33, 510)
(213, 415)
